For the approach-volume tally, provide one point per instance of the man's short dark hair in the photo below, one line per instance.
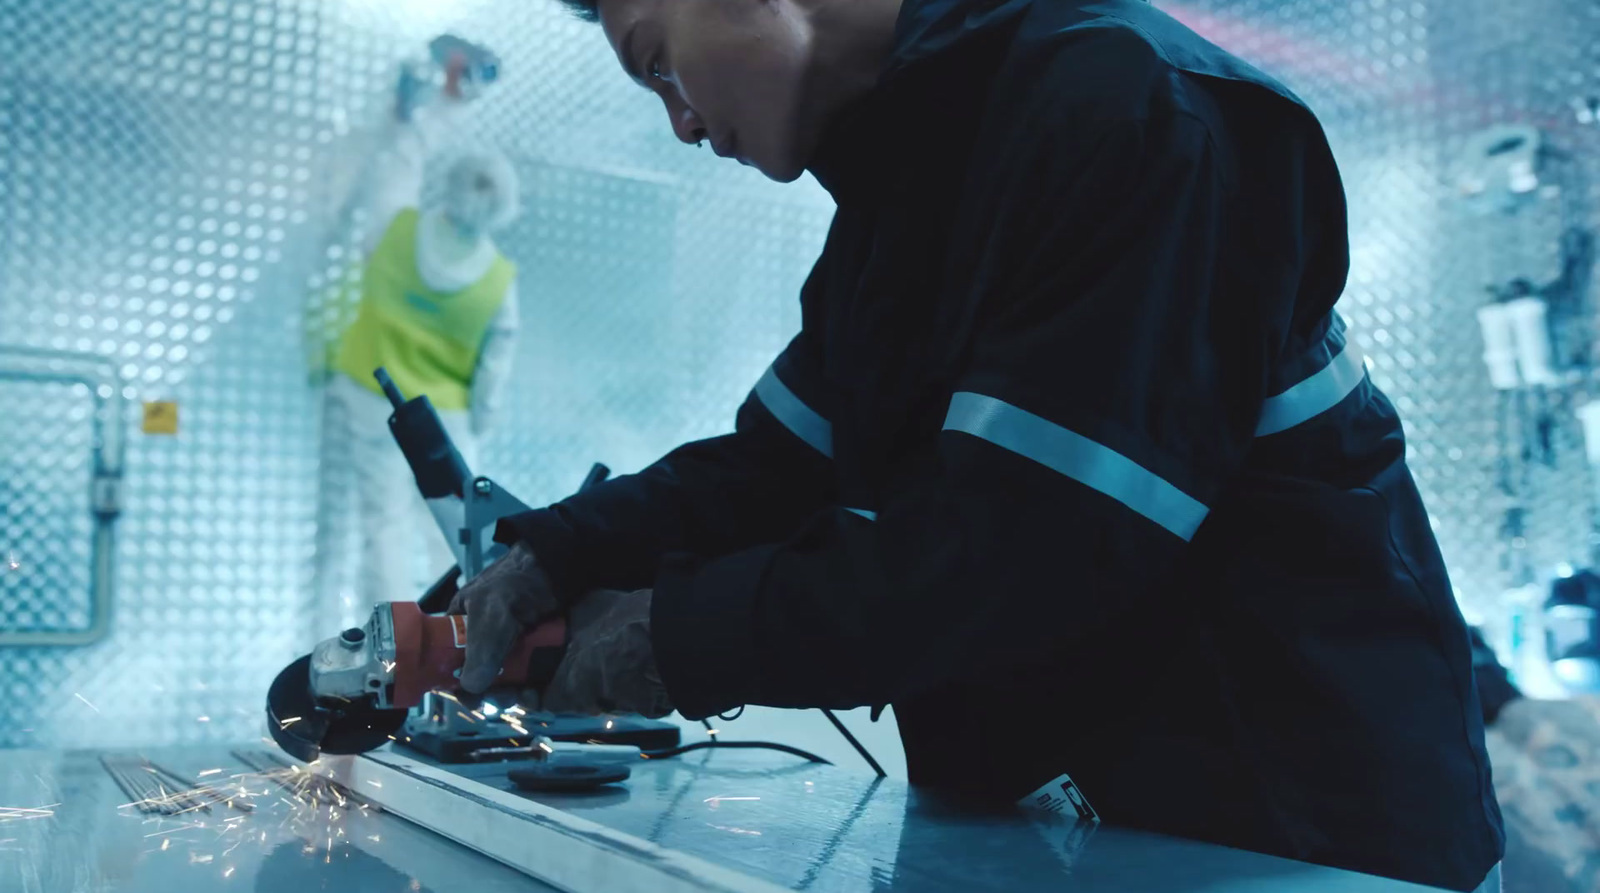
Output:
(588, 10)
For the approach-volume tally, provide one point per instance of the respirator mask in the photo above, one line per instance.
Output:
(480, 193)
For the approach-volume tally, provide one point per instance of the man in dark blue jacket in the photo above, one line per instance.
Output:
(1071, 461)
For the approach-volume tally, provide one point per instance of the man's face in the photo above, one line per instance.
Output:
(730, 72)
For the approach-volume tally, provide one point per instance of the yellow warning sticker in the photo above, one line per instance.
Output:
(161, 417)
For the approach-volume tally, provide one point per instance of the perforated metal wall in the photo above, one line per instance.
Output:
(169, 176)
(46, 524)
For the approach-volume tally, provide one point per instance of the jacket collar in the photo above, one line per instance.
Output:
(914, 125)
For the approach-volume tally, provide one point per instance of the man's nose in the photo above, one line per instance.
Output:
(685, 123)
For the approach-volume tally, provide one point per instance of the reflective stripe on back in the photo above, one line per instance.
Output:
(1318, 393)
(795, 415)
(1075, 456)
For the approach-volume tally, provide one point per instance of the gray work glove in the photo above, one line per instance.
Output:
(510, 596)
(610, 665)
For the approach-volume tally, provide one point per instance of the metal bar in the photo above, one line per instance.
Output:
(552, 846)
(100, 376)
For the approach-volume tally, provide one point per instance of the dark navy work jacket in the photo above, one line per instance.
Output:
(1073, 463)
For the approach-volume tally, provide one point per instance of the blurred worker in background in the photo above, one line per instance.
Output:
(438, 310)
(1070, 462)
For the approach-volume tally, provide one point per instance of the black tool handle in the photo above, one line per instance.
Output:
(433, 457)
(437, 598)
(597, 474)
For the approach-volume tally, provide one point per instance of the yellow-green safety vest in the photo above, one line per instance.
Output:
(428, 340)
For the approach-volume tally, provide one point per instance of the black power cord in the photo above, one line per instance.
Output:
(860, 749)
(854, 743)
(764, 745)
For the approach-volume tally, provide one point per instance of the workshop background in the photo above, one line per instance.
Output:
(170, 175)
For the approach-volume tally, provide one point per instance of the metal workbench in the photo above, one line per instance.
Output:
(729, 820)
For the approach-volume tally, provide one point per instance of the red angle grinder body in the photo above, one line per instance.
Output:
(353, 692)
(431, 650)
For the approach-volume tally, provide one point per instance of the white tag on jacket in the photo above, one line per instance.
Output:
(1059, 794)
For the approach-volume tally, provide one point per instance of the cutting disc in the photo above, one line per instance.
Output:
(306, 730)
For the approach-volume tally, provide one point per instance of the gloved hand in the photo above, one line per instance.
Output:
(610, 665)
(510, 596)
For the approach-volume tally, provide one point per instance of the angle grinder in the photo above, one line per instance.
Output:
(353, 692)
(390, 679)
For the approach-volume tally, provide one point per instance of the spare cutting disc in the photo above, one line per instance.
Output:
(306, 730)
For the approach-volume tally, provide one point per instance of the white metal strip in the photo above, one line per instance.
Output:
(544, 843)
(794, 413)
(1089, 463)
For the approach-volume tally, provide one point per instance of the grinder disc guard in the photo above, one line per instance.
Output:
(306, 729)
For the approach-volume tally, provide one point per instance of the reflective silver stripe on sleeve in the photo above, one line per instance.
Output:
(870, 516)
(1091, 464)
(1318, 393)
(794, 413)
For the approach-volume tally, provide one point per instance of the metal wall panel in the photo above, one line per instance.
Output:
(45, 521)
(170, 172)
(170, 177)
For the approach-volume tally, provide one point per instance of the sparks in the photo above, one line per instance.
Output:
(285, 723)
(26, 813)
(388, 666)
(374, 838)
(229, 872)
(545, 746)
(202, 719)
(166, 842)
(86, 701)
(716, 800)
(177, 829)
(610, 723)
(464, 716)
(374, 783)
(208, 772)
(199, 859)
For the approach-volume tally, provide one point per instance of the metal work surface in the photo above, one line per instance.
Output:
(731, 821)
(802, 826)
(64, 829)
